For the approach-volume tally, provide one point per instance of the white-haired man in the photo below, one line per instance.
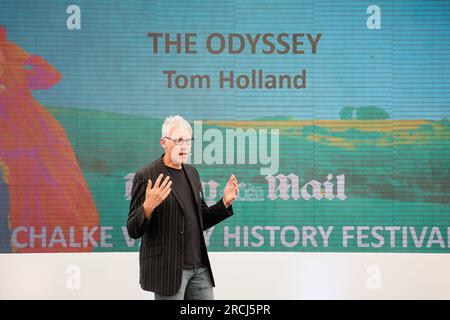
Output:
(168, 211)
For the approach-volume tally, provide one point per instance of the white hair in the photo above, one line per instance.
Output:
(174, 122)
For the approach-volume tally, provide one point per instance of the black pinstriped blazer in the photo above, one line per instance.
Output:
(161, 253)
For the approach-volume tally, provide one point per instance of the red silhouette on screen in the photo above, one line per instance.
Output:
(47, 190)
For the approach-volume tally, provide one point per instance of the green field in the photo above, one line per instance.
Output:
(396, 174)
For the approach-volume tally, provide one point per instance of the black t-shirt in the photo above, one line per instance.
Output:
(193, 257)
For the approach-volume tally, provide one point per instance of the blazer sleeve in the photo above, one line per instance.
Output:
(214, 214)
(137, 222)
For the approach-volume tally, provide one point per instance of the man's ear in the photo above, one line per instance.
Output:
(162, 141)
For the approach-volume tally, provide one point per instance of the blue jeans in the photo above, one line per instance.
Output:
(196, 284)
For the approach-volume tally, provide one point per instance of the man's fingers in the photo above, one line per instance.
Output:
(232, 181)
(166, 193)
(163, 184)
(149, 185)
(158, 180)
(167, 186)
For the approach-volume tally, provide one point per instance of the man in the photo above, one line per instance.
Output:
(168, 211)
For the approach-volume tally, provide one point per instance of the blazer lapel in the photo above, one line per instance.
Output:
(191, 179)
(197, 192)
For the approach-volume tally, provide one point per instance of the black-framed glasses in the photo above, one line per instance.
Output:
(180, 141)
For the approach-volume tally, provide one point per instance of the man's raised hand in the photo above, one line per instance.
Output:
(156, 194)
(231, 191)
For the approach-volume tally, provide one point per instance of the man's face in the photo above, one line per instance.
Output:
(177, 151)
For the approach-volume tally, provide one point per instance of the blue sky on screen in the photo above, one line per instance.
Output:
(109, 65)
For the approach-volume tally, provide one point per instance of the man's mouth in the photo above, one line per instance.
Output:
(183, 154)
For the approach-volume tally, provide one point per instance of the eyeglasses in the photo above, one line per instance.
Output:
(180, 141)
